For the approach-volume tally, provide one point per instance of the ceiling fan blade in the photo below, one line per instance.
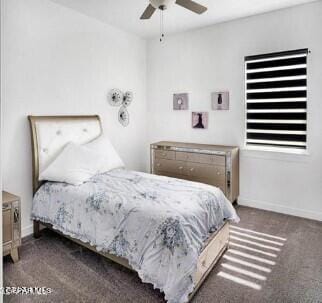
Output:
(192, 6)
(148, 12)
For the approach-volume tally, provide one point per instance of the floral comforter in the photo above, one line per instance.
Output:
(158, 224)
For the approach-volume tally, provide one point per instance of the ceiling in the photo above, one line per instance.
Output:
(125, 14)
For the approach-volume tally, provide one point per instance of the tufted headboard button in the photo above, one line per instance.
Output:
(58, 132)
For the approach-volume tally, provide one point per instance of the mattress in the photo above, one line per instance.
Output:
(158, 224)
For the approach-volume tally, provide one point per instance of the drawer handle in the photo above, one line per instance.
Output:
(158, 164)
(5, 206)
(192, 169)
(16, 216)
(218, 173)
(180, 167)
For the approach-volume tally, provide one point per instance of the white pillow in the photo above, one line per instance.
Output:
(74, 165)
(103, 147)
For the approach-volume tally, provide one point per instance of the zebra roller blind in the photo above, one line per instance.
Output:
(276, 100)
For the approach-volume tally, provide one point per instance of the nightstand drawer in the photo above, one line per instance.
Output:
(165, 154)
(6, 206)
(7, 224)
(11, 225)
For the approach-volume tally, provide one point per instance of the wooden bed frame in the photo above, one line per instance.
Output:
(213, 248)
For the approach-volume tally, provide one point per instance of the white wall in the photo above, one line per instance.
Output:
(58, 61)
(211, 59)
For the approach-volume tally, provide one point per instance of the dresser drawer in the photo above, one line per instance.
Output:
(164, 154)
(200, 158)
(170, 174)
(170, 166)
(206, 171)
(219, 184)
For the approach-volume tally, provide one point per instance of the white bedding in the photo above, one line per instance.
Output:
(158, 224)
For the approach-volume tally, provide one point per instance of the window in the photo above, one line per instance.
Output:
(276, 100)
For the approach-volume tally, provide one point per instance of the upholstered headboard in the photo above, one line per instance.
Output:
(49, 135)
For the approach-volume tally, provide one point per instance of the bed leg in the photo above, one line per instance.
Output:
(36, 229)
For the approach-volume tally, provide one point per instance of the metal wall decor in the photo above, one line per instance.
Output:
(124, 118)
(117, 98)
(127, 98)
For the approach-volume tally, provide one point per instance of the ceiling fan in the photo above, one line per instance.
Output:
(164, 4)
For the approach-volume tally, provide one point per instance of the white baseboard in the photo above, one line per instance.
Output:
(281, 209)
(26, 231)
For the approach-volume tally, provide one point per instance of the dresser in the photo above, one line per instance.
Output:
(211, 164)
(11, 225)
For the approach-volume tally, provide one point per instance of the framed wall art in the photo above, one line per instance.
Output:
(200, 120)
(220, 101)
(181, 101)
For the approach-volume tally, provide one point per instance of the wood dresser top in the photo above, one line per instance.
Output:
(7, 197)
(194, 146)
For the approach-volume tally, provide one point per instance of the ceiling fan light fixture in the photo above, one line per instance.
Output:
(162, 4)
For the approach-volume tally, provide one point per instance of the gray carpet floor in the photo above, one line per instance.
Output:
(273, 258)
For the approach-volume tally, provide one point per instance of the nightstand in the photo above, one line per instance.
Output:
(11, 225)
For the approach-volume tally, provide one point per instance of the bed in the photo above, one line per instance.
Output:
(171, 232)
